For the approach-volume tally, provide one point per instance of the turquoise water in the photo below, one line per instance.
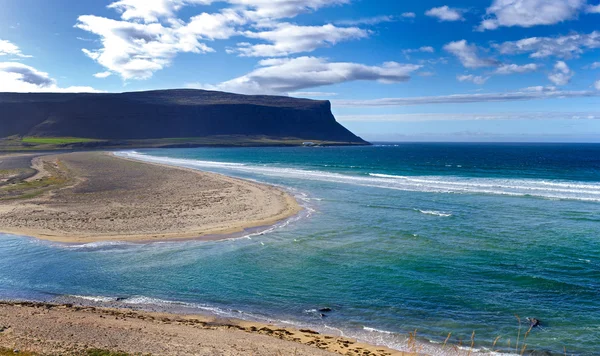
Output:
(436, 237)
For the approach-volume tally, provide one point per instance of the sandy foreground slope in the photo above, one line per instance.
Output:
(50, 329)
(94, 196)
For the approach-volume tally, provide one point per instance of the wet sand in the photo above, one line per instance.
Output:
(95, 196)
(71, 330)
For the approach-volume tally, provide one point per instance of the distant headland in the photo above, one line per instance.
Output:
(165, 118)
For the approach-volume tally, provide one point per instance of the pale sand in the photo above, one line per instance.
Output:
(70, 330)
(112, 199)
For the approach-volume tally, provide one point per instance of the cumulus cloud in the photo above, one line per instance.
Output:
(284, 75)
(505, 69)
(18, 77)
(445, 13)
(595, 65)
(479, 80)
(103, 74)
(149, 34)
(469, 55)
(288, 39)
(278, 9)
(529, 13)
(468, 98)
(597, 85)
(136, 50)
(151, 10)
(568, 46)
(562, 74)
(155, 10)
(11, 49)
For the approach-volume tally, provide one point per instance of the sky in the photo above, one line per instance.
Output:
(394, 70)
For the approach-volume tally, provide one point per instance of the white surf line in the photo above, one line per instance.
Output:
(493, 186)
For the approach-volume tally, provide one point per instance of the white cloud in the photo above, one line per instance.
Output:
(597, 85)
(217, 26)
(135, 50)
(528, 13)
(286, 75)
(10, 49)
(593, 9)
(569, 46)
(506, 69)
(595, 65)
(424, 49)
(149, 35)
(151, 10)
(102, 74)
(469, 55)
(445, 13)
(18, 77)
(479, 80)
(409, 15)
(562, 74)
(155, 10)
(467, 98)
(368, 20)
(288, 39)
(540, 88)
(277, 9)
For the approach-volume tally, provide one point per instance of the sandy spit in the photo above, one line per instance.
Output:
(113, 199)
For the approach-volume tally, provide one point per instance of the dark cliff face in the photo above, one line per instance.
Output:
(167, 114)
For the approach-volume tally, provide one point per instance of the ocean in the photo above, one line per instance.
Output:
(438, 238)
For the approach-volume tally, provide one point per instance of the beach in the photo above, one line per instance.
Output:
(49, 329)
(95, 196)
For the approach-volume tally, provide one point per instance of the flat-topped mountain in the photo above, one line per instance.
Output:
(168, 118)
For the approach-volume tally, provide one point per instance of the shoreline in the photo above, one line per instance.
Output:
(180, 203)
(48, 327)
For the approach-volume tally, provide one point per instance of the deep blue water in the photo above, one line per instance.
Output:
(436, 237)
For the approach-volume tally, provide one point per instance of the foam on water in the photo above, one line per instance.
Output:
(435, 213)
(433, 184)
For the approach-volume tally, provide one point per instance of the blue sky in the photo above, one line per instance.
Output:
(472, 70)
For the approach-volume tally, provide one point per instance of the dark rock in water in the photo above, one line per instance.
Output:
(120, 299)
(323, 315)
(325, 310)
(534, 323)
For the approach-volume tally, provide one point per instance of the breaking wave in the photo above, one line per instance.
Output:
(559, 190)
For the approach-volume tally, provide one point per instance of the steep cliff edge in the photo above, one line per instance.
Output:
(168, 114)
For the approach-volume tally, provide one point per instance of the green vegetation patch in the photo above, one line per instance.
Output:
(24, 189)
(57, 140)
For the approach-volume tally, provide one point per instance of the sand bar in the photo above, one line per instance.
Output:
(93, 196)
